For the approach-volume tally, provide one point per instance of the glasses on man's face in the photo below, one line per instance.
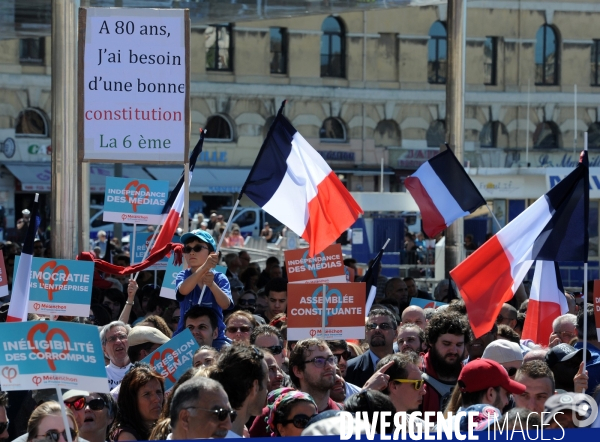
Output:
(4, 426)
(418, 384)
(96, 404)
(118, 337)
(54, 435)
(320, 361)
(566, 334)
(299, 421)
(175, 319)
(274, 349)
(196, 249)
(77, 405)
(247, 301)
(346, 355)
(511, 371)
(382, 326)
(242, 329)
(220, 413)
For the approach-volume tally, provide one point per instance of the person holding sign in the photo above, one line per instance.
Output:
(199, 249)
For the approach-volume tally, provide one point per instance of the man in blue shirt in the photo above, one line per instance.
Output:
(199, 249)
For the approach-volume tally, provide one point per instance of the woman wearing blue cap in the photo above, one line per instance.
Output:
(199, 249)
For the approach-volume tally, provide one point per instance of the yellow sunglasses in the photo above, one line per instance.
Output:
(416, 383)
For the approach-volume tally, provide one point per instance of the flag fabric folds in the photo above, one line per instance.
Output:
(174, 206)
(370, 278)
(547, 302)
(19, 300)
(443, 191)
(292, 182)
(554, 228)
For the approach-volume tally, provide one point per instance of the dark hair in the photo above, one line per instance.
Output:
(447, 322)
(299, 354)
(247, 275)
(400, 368)
(3, 399)
(243, 314)
(267, 330)
(338, 345)
(115, 295)
(369, 402)
(197, 311)
(156, 301)
(537, 369)
(158, 323)
(457, 306)
(504, 331)
(189, 374)
(413, 326)
(271, 260)
(591, 323)
(408, 278)
(523, 307)
(238, 366)
(384, 312)
(128, 414)
(134, 350)
(276, 285)
(474, 397)
(101, 315)
(282, 412)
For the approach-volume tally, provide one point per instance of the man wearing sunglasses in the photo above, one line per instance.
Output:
(200, 410)
(380, 334)
(269, 338)
(339, 348)
(100, 411)
(76, 400)
(405, 386)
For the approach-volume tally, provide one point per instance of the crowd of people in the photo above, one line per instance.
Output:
(249, 380)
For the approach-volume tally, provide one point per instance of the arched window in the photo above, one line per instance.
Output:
(332, 131)
(493, 134)
(546, 136)
(437, 54)
(546, 56)
(32, 122)
(436, 134)
(387, 133)
(218, 128)
(594, 136)
(333, 48)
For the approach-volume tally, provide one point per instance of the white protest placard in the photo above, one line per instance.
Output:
(134, 84)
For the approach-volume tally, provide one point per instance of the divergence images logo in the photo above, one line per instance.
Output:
(51, 283)
(328, 294)
(9, 373)
(50, 333)
(137, 188)
(161, 357)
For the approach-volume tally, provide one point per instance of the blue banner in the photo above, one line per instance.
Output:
(174, 358)
(168, 288)
(59, 286)
(48, 354)
(135, 201)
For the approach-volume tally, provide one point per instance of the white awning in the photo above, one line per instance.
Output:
(37, 177)
(204, 180)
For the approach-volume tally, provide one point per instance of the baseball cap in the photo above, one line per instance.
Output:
(70, 394)
(564, 353)
(141, 334)
(201, 235)
(482, 374)
(577, 402)
(503, 351)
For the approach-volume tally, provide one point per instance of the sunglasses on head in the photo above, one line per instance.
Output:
(299, 421)
(274, 349)
(247, 301)
(4, 426)
(79, 404)
(242, 329)
(54, 435)
(197, 248)
(416, 383)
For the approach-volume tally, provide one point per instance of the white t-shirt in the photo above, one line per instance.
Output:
(115, 374)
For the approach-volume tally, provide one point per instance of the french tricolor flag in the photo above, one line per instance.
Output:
(174, 206)
(443, 191)
(19, 300)
(547, 302)
(554, 228)
(292, 182)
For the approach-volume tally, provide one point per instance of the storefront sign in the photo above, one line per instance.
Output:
(555, 175)
(48, 354)
(134, 201)
(134, 84)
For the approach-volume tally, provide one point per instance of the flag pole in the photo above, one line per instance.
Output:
(493, 216)
(132, 242)
(221, 240)
(371, 299)
(186, 197)
(585, 285)
(63, 412)
(575, 118)
(324, 312)
(150, 244)
(527, 134)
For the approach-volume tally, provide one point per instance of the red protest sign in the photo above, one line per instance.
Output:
(327, 266)
(345, 311)
(3, 277)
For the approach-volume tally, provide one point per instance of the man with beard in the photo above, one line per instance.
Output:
(484, 388)
(446, 335)
(380, 335)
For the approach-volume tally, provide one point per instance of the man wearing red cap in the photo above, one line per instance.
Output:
(484, 388)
